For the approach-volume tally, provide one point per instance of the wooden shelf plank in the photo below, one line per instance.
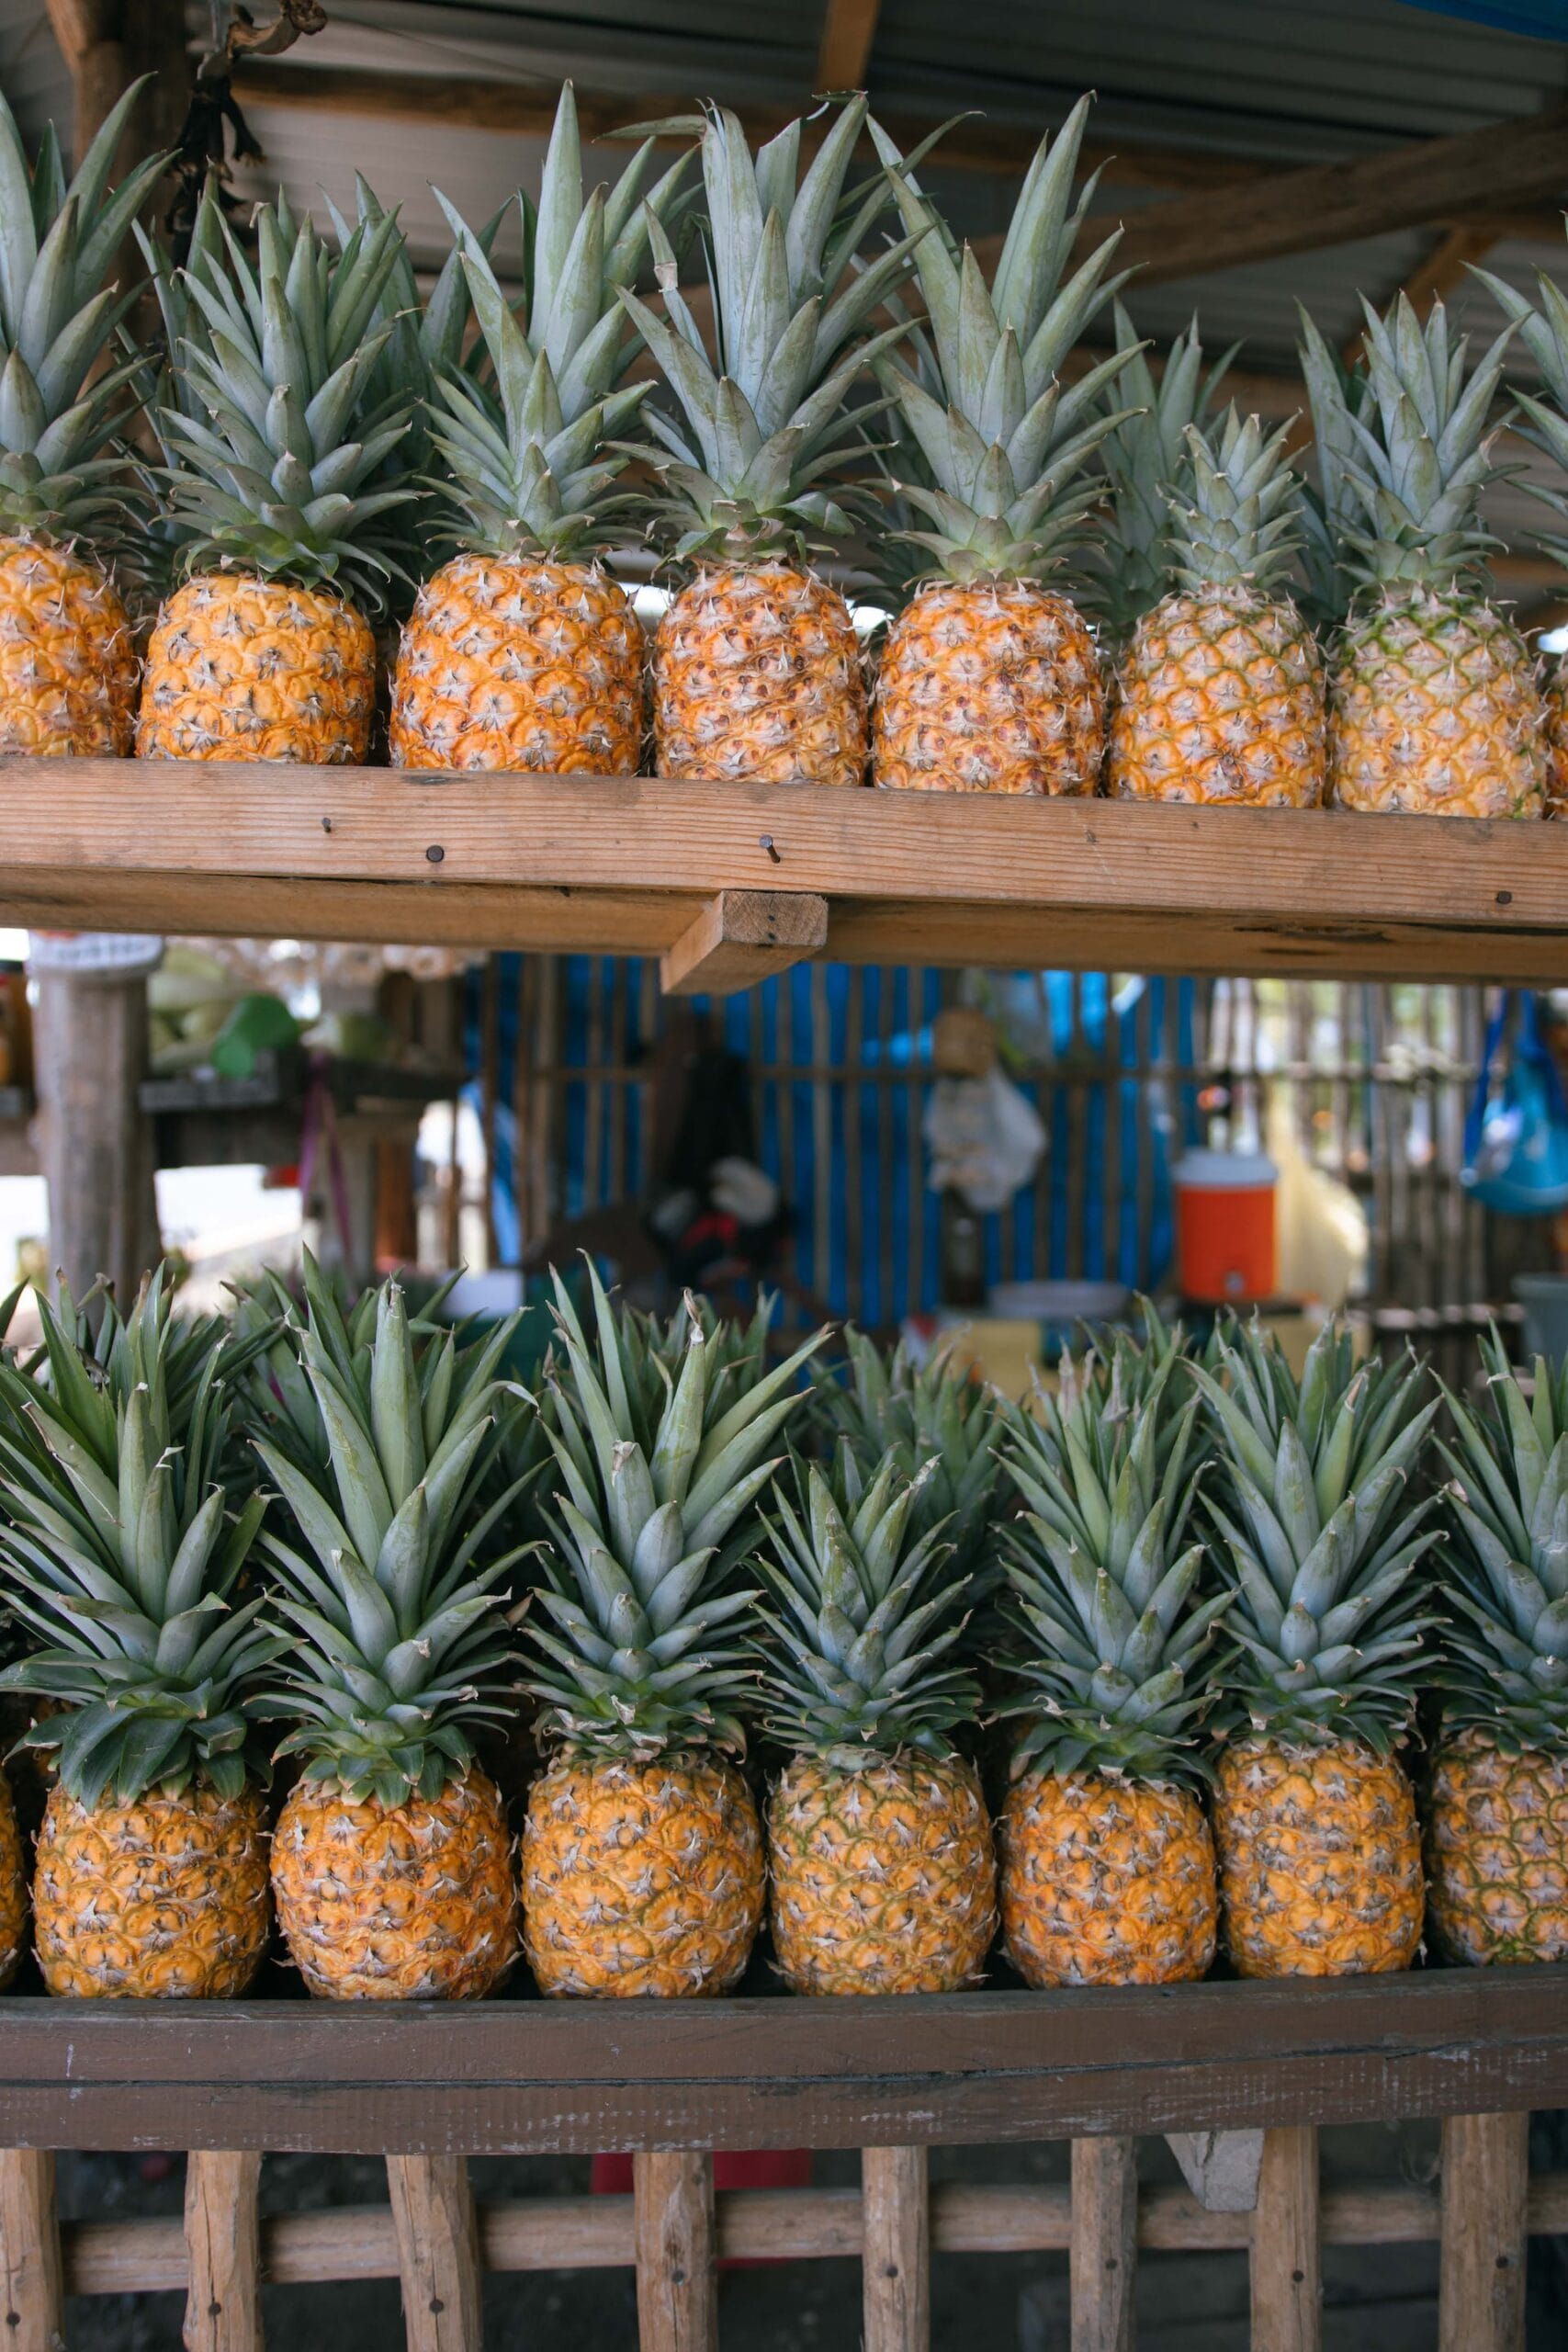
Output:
(627, 865)
(531, 2077)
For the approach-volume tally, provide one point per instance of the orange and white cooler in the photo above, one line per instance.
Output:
(1226, 1242)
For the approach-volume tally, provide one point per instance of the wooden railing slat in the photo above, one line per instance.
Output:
(677, 2282)
(1103, 2260)
(32, 2313)
(895, 2249)
(438, 2252)
(222, 2234)
(1485, 2191)
(1287, 2285)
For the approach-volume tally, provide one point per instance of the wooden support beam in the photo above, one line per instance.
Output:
(1287, 2283)
(107, 44)
(222, 2233)
(95, 1141)
(895, 2250)
(677, 2281)
(1221, 2168)
(848, 28)
(32, 2287)
(742, 937)
(1104, 2259)
(1485, 2191)
(438, 2252)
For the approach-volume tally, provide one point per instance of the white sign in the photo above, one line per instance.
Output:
(104, 954)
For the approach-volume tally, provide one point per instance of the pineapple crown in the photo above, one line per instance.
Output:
(1146, 459)
(1337, 395)
(1315, 1539)
(857, 1650)
(1412, 459)
(122, 1556)
(1505, 1558)
(397, 1643)
(1238, 519)
(994, 451)
(147, 545)
(639, 1654)
(528, 465)
(1544, 334)
(751, 474)
(1104, 1570)
(59, 418)
(278, 479)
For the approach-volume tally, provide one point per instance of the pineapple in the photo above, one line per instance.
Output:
(1497, 1798)
(391, 1863)
(1220, 690)
(1108, 1862)
(67, 663)
(879, 1847)
(1320, 1858)
(522, 651)
(1554, 694)
(1433, 703)
(757, 670)
(266, 652)
(990, 681)
(642, 1857)
(121, 1554)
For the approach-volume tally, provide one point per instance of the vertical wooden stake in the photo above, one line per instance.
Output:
(896, 2255)
(1103, 2263)
(1287, 2282)
(438, 2252)
(1485, 2184)
(223, 2245)
(32, 2281)
(677, 2286)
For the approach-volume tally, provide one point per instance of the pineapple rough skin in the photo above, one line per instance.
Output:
(1106, 1882)
(13, 1889)
(1320, 1860)
(67, 661)
(412, 1902)
(1434, 711)
(990, 688)
(162, 1899)
(521, 664)
(1497, 1854)
(1555, 693)
(247, 669)
(884, 1878)
(1221, 699)
(640, 1878)
(757, 673)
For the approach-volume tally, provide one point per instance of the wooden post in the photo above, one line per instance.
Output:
(896, 2259)
(95, 1141)
(1103, 2260)
(223, 2248)
(32, 2313)
(107, 44)
(1287, 2284)
(677, 2286)
(438, 2252)
(1485, 2189)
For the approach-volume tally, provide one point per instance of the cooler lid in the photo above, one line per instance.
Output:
(1225, 1171)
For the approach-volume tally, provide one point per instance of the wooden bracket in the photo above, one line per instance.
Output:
(743, 936)
(1221, 2168)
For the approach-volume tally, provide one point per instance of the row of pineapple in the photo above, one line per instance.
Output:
(1205, 1597)
(333, 451)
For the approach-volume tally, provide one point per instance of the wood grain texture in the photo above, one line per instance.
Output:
(1103, 2261)
(1485, 2189)
(1287, 2282)
(438, 2252)
(896, 2251)
(95, 1141)
(677, 2278)
(540, 2076)
(848, 28)
(742, 937)
(625, 866)
(222, 2234)
(32, 2291)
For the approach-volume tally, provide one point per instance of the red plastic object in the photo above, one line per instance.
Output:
(1225, 1246)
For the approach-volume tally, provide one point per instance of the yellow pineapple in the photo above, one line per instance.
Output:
(391, 1865)
(1221, 689)
(1554, 694)
(1314, 1818)
(1107, 1864)
(266, 651)
(1497, 1789)
(642, 1857)
(990, 680)
(879, 1846)
(13, 1888)
(522, 651)
(67, 663)
(120, 1551)
(757, 670)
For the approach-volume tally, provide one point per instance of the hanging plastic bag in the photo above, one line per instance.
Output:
(1515, 1134)
(985, 1136)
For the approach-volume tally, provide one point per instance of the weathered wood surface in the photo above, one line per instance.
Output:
(32, 2291)
(438, 2252)
(895, 2250)
(222, 2237)
(742, 937)
(627, 865)
(677, 2278)
(1485, 2192)
(1103, 2256)
(95, 1141)
(1287, 2270)
(1221, 2168)
(525, 2075)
